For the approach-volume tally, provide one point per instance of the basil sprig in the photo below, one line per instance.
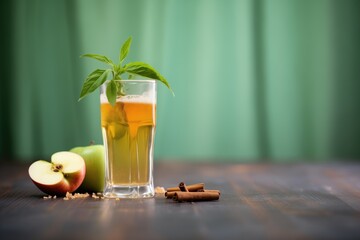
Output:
(95, 79)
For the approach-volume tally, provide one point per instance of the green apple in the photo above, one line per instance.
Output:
(94, 156)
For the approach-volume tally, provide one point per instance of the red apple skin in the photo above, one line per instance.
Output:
(70, 183)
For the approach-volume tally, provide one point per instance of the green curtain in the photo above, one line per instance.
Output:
(254, 80)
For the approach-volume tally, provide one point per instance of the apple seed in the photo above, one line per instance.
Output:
(57, 167)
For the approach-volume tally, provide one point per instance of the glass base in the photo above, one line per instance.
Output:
(118, 191)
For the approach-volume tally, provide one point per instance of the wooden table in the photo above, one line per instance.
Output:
(258, 201)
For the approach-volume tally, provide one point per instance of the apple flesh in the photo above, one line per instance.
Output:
(64, 173)
(94, 156)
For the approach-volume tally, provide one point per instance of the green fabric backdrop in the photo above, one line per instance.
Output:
(275, 80)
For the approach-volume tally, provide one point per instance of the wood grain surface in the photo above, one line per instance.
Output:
(258, 201)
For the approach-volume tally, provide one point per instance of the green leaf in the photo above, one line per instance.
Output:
(99, 76)
(118, 71)
(93, 81)
(111, 91)
(100, 58)
(125, 49)
(145, 70)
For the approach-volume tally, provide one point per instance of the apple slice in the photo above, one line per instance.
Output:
(64, 174)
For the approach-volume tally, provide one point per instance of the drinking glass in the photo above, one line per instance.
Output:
(128, 130)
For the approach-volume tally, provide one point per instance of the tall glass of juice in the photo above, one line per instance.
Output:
(128, 129)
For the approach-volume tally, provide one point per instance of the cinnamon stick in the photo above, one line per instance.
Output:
(191, 188)
(195, 196)
(210, 190)
(182, 187)
(171, 194)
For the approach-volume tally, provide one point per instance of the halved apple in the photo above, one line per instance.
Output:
(64, 174)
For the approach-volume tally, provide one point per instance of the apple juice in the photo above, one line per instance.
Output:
(128, 130)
